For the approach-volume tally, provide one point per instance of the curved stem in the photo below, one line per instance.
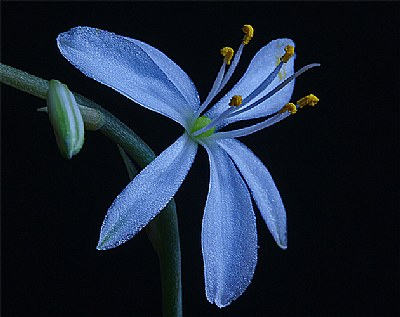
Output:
(162, 230)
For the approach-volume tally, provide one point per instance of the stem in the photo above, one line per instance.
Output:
(154, 234)
(163, 229)
(23, 81)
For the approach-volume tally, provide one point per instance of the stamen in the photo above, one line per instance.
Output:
(236, 101)
(249, 33)
(287, 110)
(289, 107)
(232, 67)
(310, 100)
(276, 89)
(264, 84)
(223, 78)
(227, 53)
(215, 122)
(214, 90)
(289, 52)
(251, 129)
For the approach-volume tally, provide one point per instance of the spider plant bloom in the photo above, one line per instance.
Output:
(148, 77)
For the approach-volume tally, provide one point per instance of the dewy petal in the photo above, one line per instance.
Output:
(132, 70)
(174, 73)
(262, 187)
(263, 63)
(229, 237)
(147, 193)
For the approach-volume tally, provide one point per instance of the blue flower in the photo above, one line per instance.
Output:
(148, 77)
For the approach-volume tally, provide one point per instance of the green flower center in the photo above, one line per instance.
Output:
(200, 123)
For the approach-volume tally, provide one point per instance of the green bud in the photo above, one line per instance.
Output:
(66, 118)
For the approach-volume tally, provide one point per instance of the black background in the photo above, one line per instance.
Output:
(336, 165)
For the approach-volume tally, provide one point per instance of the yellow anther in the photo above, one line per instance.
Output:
(309, 100)
(289, 52)
(291, 107)
(249, 32)
(227, 53)
(236, 101)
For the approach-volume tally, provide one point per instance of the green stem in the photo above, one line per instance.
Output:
(162, 230)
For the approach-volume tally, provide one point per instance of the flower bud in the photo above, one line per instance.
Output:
(66, 118)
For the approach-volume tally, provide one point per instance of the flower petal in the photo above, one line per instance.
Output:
(262, 187)
(134, 70)
(229, 236)
(263, 63)
(174, 73)
(147, 193)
